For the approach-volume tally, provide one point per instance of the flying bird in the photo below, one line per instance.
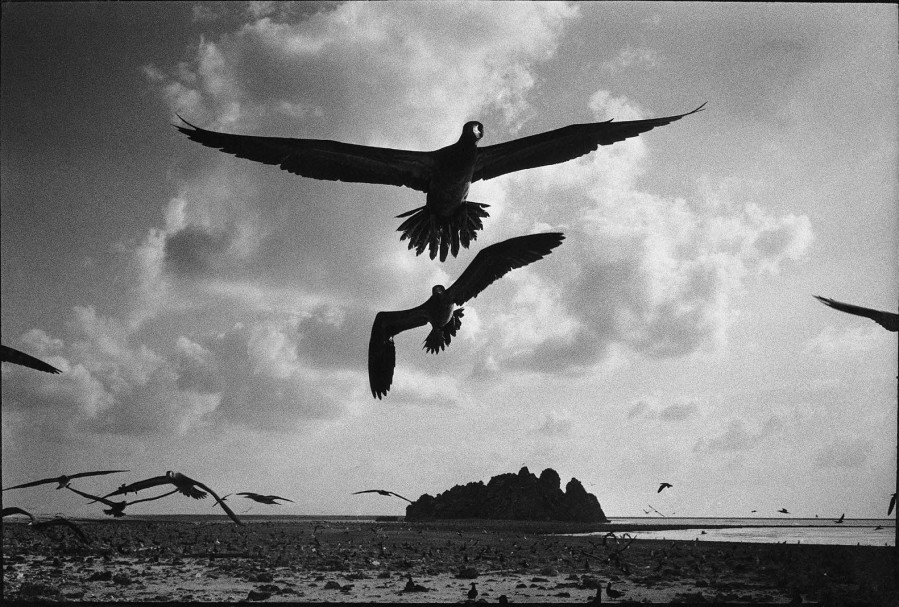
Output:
(54, 522)
(892, 505)
(264, 499)
(440, 309)
(784, 511)
(664, 486)
(11, 510)
(840, 520)
(385, 493)
(117, 509)
(11, 355)
(887, 320)
(447, 220)
(183, 484)
(654, 510)
(63, 480)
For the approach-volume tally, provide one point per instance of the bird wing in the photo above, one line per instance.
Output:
(366, 491)
(277, 497)
(11, 355)
(140, 485)
(887, 320)
(892, 504)
(34, 483)
(498, 259)
(219, 501)
(400, 496)
(324, 159)
(97, 473)
(92, 497)
(560, 145)
(63, 521)
(10, 510)
(382, 350)
(150, 499)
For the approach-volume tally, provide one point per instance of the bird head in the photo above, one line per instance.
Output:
(438, 290)
(473, 131)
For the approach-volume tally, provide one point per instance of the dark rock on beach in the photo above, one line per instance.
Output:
(521, 496)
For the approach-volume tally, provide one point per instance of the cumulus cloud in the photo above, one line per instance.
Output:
(555, 423)
(652, 273)
(737, 437)
(844, 453)
(649, 408)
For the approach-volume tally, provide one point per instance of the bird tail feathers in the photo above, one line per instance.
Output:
(440, 338)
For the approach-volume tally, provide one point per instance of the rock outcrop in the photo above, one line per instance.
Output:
(520, 496)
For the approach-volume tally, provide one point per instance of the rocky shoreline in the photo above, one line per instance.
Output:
(133, 560)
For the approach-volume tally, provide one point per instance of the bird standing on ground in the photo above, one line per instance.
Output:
(440, 309)
(184, 484)
(11, 355)
(117, 509)
(383, 492)
(887, 320)
(64, 479)
(448, 220)
(664, 486)
(611, 592)
(472, 592)
(264, 499)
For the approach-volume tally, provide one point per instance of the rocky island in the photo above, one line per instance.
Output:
(509, 496)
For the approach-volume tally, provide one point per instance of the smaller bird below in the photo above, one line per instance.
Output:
(664, 486)
(784, 511)
(54, 522)
(264, 499)
(117, 509)
(183, 484)
(64, 479)
(11, 355)
(383, 492)
(840, 520)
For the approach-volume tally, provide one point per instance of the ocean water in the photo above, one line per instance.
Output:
(850, 532)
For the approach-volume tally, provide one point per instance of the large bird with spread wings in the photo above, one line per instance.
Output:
(441, 311)
(117, 509)
(447, 220)
(887, 320)
(63, 479)
(184, 484)
(11, 355)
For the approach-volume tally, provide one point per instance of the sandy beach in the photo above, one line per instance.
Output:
(133, 560)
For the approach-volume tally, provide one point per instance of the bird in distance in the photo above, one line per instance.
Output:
(117, 509)
(383, 492)
(264, 499)
(664, 486)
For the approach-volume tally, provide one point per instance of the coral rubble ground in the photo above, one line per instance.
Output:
(136, 560)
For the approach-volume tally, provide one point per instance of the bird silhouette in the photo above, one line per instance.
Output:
(472, 592)
(892, 505)
(64, 479)
(440, 309)
(611, 592)
(60, 521)
(784, 511)
(664, 486)
(184, 484)
(447, 220)
(264, 499)
(840, 520)
(385, 493)
(887, 320)
(117, 509)
(11, 510)
(11, 355)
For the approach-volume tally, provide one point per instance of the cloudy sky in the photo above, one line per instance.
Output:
(211, 315)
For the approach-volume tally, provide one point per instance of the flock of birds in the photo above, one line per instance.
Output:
(447, 222)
